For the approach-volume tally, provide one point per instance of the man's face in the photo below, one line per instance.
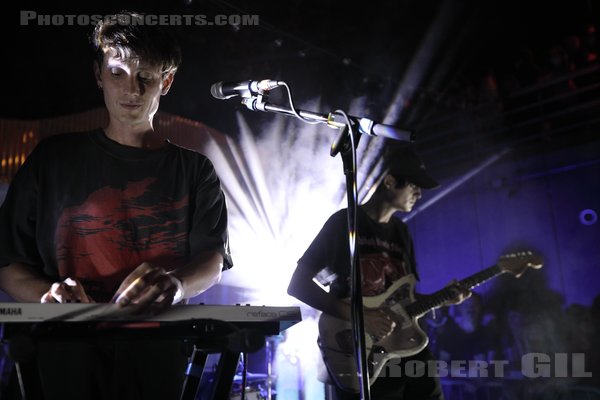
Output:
(132, 88)
(405, 197)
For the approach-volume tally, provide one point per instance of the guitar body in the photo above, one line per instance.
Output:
(407, 339)
(335, 335)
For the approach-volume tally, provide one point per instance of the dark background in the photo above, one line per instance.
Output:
(336, 50)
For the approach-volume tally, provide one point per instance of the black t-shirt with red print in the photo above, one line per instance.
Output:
(386, 254)
(86, 207)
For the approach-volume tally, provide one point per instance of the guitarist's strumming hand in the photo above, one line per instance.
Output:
(379, 322)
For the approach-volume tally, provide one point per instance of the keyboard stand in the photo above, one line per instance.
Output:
(207, 337)
(222, 380)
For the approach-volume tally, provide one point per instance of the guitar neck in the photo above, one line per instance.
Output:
(420, 307)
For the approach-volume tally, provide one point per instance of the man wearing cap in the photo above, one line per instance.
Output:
(386, 254)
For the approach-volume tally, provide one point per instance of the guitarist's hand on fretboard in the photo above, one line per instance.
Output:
(458, 293)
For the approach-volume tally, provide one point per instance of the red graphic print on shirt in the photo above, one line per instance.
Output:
(115, 230)
(379, 271)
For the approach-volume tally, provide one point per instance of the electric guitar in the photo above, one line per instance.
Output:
(336, 339)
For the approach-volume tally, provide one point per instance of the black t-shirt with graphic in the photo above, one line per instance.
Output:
(86, 207)
(386, 254)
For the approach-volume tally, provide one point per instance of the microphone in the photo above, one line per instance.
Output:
(372, 128)
(226, 90)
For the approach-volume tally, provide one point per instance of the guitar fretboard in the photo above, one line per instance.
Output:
(438, 298)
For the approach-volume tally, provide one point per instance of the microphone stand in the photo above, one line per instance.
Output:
(345, 143)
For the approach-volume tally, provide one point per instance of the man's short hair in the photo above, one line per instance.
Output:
(127, 34)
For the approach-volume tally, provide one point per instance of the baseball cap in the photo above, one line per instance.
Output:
(404, 162)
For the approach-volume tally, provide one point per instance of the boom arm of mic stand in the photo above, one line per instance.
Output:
(365, 126)
(255, 103)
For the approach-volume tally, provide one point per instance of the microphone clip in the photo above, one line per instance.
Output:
(255, 103)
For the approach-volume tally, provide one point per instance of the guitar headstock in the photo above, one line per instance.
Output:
(517, 263)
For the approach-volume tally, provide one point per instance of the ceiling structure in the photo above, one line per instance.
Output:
(469, 77)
